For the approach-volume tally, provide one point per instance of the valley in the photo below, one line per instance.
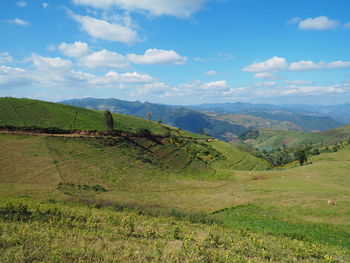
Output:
(188, 195)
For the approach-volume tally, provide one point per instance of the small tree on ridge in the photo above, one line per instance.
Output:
(109, 121)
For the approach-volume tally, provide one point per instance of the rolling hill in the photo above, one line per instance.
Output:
(268, 139)
(177, 197)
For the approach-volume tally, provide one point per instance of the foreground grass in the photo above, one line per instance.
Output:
(59, 232)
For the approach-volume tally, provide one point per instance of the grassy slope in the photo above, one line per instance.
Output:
(26, 112)
(274, 207)
(269, 139)
(30, 234)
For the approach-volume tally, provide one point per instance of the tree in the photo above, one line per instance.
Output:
(109, 121)
(300, 155)
(201, 131)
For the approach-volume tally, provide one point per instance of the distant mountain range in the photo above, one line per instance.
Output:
(225, 121)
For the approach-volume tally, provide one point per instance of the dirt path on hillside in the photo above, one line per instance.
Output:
(82, 135)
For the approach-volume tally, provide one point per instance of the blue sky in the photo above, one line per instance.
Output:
(177, 52)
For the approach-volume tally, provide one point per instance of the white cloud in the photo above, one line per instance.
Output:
(235, 91)
(273, 64)
(266, 75)
(45, 5)
(304, 65)
(338, 64)
(77, 49)
(13, 77)
(309, 65)
(20, 22)
(347, 25)
(104, 59)
(102, 29)
(299, 82)
(266, 84)
(5, 57)
(318, 23)
(21, 4)
(312, 90)
(211, 73)
(178, 8)
(130, 77)
(221, 84)
(47, 63)
(157, 56)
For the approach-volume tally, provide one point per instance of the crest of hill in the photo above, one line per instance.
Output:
(29, 113)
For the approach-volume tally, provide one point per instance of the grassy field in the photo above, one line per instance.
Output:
(167, 200)
(288, 204)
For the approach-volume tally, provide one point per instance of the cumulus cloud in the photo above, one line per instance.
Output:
(266, 75)
(104, 59)
(48, 63)
(273, 64)
(318, 23)
(13, 77)
(21, 4)
(178, 8)
(311, 90)
(77, 49)
(129, 77)
(211, 73)
(221, 84)
(5, 57)
(105, 30)
(20, 22)
(310, 65)
(56, 72)
(157, 57)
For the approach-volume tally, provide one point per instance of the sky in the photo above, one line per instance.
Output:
(177, 52)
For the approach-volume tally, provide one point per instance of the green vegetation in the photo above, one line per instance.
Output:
(176, 198)
(109, 121)
(59, 232)
(34, 113)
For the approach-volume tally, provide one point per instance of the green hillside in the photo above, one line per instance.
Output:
(27, 112)
(162, 199)
(266, 139)
(261, 215)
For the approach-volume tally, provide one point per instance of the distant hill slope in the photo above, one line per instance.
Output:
(306, 119)
(267, 139)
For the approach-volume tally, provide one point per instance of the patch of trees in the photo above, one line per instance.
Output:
(250, 134)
